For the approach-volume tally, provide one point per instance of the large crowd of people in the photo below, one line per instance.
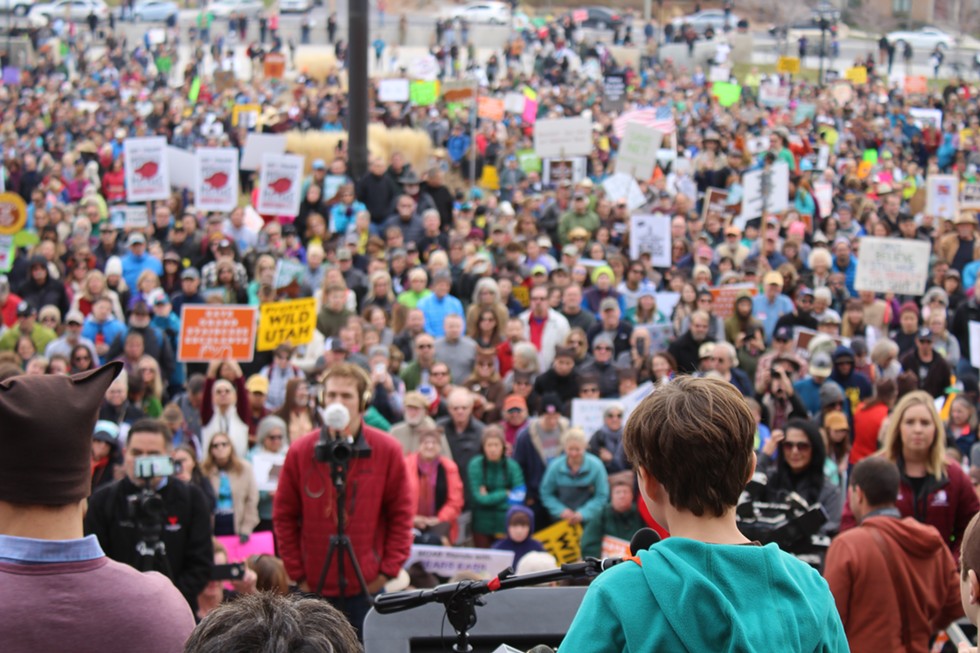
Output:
(472, 324)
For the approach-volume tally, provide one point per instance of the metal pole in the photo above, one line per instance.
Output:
(473, 117)
(357, 84)
(823, 47)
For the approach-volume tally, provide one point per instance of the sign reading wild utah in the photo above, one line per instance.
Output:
(289, 322)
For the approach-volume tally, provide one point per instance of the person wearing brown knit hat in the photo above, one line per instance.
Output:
(50, 575)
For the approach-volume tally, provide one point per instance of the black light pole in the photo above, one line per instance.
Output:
(357, 87)
(823, 47)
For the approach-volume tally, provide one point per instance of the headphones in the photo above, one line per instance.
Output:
(351, 370)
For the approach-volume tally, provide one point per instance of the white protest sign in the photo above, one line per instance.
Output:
(772, 95)
(393, 90)
(719, 74)
(757, 144)
(892, 265)
(637, 154)
(563, 137)
(776, 200)
(555, 171)
(621, 186)
(975, 344)
(928, 117)
(6, 252)
(650, 234)
(146, 169)
(182, 168)
(280, 181)
(660, 334)
(267, 466)
(449, 561)
(256, 145)
(942, 196)
(217, 178)
(823, 195)
(633, 399)
(970, 195)
(133, 217)
(425, 67)
(666, 301)
(587, 414)
(823, 157)
(514, 102)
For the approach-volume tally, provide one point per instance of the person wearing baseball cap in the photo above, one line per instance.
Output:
(771, 304)
(931, 368)
(136, 260)
(27, 325)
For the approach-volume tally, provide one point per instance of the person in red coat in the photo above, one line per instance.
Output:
(435, 487)
(933, 490)
(378, 508)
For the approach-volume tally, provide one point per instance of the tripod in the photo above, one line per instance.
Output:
(340, 544)
(148, 515)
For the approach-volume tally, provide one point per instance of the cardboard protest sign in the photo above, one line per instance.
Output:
(637, 154)
(216, 187)
(210, 332)
(290, 322)
(146, 169)
(280, 182)
(942, 196)
(823, 195)
(927, 116)
(773, 95)
(650, 234)
(246, 114)
(724, 297)
(587, 414)
(714, 202)
(448, 561)
(562, 541)
(892, 265)
(563, 137)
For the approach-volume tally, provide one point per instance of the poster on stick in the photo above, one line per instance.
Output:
(892, 265)
(146, 169)
(280, 181)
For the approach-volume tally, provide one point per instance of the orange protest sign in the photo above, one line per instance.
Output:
(491, 108)
(274, 66)
(725, 296)
(210, 332)
(916, 85)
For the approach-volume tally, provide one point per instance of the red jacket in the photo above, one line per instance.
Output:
(867, 600)
(379, 513)
(949, 505)
(452, 506)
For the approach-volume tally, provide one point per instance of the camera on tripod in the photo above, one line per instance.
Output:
(339, 449)
(147, 511)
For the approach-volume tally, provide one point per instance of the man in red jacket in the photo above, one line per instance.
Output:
(893, 579)
(378, 509)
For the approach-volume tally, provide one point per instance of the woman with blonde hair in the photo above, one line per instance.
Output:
(149, 371)
(932, 490)
(418, 288)
(486, 296)
(237, 510)
(93, 287)
(379, 291)
(147, 282)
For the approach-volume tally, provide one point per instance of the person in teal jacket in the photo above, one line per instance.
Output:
(707, 587)
(575, 486)
(492, 477)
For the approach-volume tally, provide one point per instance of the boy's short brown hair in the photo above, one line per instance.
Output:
(695, 436)
(970, 548)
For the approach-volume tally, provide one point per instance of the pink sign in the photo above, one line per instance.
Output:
(530, 115)
(257, 544)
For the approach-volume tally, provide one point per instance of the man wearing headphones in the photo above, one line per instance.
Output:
(378, 510)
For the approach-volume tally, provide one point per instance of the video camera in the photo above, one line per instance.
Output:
(334, 447)
(146, 508)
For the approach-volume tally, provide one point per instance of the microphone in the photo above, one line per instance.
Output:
(642, 540)
(336, 417)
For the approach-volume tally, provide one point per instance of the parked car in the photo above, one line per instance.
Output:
(75, 10)
(598, 18)
(155, 11)
(295, 6)
(493, 13)
(225, 8)
(713, 19)
(16, 7)
(924, 39)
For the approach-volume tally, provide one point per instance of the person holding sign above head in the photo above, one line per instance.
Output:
(691, 442)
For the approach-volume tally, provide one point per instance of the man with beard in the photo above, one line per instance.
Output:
(416, 422)
(685, 349)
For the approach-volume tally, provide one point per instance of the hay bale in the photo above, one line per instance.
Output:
(414, 144)
(316, 62)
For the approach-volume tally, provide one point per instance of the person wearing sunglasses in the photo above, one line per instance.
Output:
(799, 468)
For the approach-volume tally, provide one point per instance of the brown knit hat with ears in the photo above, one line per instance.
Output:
(46, 425)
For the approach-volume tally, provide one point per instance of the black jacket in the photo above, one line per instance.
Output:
(50, 292)
(186, 531)
(155, 344)
(685, 352)
(378, 195)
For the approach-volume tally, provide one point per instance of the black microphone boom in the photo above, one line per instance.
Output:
(642, 540)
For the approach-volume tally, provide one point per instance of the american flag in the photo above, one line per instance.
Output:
(660, 118)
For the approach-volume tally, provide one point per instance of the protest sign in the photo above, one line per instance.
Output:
(490, 108)
(650, 234)
(587, 414)
(556, 171)
(667, 300)
(856, 75)
(633, 399)
(259, 543)
(246, 114)
(257, 146)
(788, 65)
(773, 95)
(804, 111)
(146, 169)
(714, 202)
(620, 186)
(613, 92)
(563, 137)
(562, 541)
(754, 201)
(133, 218)
(280, 182)
(661, 335)
(942, 196)
(210, 332)
(514, 102)
(425, 67)
(274, 65)
(7, 253)
(217, 178)
(723, 304)
(719, 74)
(823, 195)
(182, 167)
(458, 90)
(823, 157)
(528, 161)
(291, 322)
(975, 344)
(267, 467)
(393, 90)
(916, 85)
(892, 265)
(614, 547)
(842, 92)
(637, 153)
(970, 195)
(448, 561)
(424, 93)
(928, 117)
(530, 114)
(288, 272)
(13, 213)
(727, 93)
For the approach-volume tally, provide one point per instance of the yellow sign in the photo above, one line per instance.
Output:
(562, 541)
(490, 179)
(247, 112)
(856, 75)
(13, 213)
(290, 322)
(789, 65)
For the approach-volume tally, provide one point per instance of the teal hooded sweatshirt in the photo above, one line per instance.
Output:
(690, 596)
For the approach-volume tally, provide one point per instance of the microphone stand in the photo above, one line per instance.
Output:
(462, 598)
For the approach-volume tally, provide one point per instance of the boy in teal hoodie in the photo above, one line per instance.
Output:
(707, 587)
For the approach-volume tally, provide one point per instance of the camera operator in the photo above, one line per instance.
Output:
(378, 510)
(780, 403)
(126, 514)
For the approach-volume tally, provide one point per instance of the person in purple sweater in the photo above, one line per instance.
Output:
(57, 588)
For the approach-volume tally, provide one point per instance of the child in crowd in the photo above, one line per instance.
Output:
(520, 525)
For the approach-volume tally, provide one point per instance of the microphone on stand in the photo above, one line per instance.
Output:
(336, 417)
(642, 540)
